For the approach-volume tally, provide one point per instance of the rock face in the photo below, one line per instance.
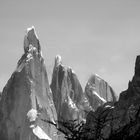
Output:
(26, 99)
(98, 92)
(120, 120)
(0, 95)
(27, 103)
(68, 96)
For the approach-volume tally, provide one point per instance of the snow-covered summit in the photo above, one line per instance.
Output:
(31, 38)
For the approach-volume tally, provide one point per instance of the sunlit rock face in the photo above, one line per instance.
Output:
(119, 120)
(98, 92)
(26, 99)
(68, 96)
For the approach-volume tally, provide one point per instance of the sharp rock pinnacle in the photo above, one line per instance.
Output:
(58, 60)
(31, 39)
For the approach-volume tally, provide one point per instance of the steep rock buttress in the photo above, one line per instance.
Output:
(68, 95)
(26, 99)
(98, 92)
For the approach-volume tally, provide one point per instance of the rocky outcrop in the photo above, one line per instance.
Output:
(99, 92)
(119, 120)
(26, 99)
(68, 96)
(27, 104)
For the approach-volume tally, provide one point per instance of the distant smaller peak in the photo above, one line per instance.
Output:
(58, 60)
(31, 38)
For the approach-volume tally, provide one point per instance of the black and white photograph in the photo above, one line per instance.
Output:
(69, 69)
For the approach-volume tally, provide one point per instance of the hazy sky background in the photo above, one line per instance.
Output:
(92, 36)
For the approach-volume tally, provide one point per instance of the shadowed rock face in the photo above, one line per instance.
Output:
(132, 94)
(120, 120)
(26, 99)
(69, 99)
(98, 92)
(0, 95)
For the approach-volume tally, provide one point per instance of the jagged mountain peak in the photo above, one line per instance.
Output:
(31, 40)
(27, 99)
(99, 91)
(133, 91)
(67, 92)
(137, 66)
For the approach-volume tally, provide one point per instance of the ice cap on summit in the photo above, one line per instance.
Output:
(31, 38)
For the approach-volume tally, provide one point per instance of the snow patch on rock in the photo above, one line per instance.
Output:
(32, 115)
(102, 99)
(71, 103)
(40, 133)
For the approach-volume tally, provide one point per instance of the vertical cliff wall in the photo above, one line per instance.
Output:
(68, 96)
(26, 99)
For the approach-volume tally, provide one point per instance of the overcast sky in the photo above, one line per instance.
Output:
(92, 36)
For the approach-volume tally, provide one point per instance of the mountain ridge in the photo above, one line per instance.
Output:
(28, 101)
